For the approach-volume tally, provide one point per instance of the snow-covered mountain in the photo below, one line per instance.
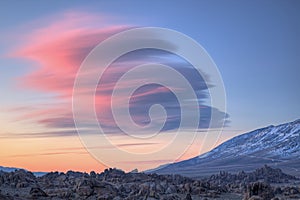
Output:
(273, 145)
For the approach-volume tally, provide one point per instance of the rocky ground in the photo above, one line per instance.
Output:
(264, 183)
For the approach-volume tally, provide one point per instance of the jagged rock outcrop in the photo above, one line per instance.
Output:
(259, 190)
(37, 192)
(265, 174)
(116, 184)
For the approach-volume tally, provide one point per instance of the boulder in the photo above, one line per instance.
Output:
(37, 192)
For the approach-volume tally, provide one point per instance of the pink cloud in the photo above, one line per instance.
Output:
(59, 48)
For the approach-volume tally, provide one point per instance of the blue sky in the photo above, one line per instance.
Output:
(255, 45)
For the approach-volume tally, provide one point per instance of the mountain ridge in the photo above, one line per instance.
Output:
(12, 169)
(273, 145)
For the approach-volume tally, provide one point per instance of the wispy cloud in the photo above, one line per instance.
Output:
(146, 162)
(49, 134)
(106, 147)
(78, 150)
(49, 154)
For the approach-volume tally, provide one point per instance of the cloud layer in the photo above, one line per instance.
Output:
(58, 47)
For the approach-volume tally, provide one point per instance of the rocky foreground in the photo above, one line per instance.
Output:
(264, 183)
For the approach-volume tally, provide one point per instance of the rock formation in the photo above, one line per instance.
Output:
(116, 184)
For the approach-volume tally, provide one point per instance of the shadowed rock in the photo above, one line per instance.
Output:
(37, 192)
(116, 184)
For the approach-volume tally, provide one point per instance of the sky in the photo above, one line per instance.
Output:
(255, 46)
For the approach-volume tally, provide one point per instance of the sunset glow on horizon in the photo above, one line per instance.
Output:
(43, 50)
(57, 50)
